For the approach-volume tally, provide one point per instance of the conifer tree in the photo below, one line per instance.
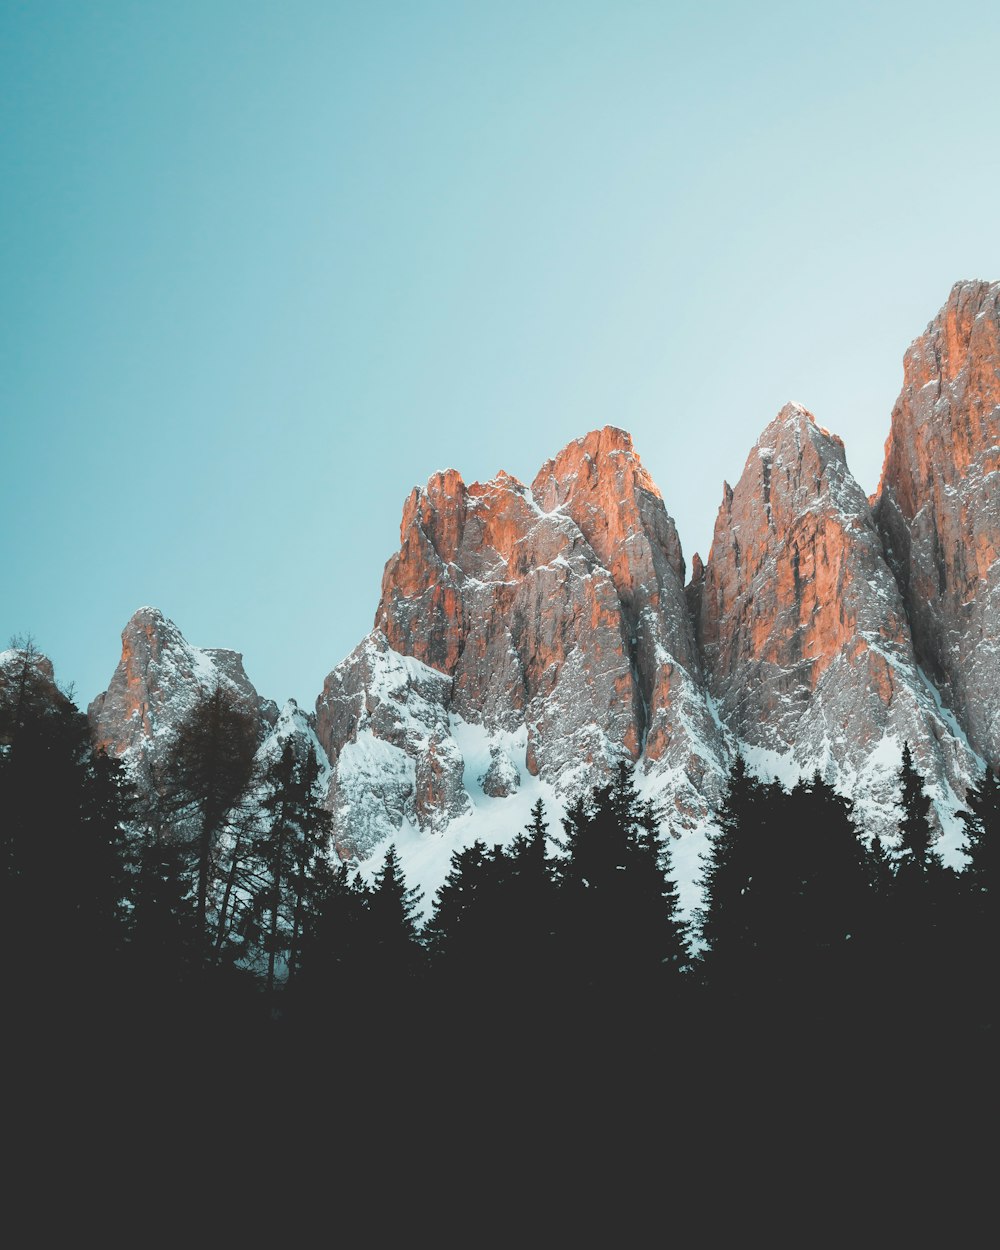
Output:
(981, 818)
(208, 777)
(391, 949)
(916, 836)
(291, 846)
(920, 896)
(530, 908)
(978, 898)
(449, 936)
(469, 935)
(332, 958)
(726, 920)
(828, 915)
(619, 933)
(163, 946)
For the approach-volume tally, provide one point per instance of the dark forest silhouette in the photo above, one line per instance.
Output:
(212, 908)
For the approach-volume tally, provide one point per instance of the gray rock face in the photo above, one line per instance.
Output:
(157, 682)
(501, 778)
(804, 635)
(938, 505)
(600, 484)
(514, 605)
(295, 728)
(383, 721)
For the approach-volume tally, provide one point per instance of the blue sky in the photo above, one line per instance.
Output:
(267, 266)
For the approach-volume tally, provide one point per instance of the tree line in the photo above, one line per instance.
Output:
(216, 898)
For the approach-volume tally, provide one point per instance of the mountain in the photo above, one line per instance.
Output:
(552, 618)
(529, 638)
(938, 505)
(157, 683)
(804, 632)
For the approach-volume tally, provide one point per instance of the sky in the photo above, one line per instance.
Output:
(264, 267)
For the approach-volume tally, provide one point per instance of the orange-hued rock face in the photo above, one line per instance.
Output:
(804, 636)
(938, 505)
(157, 681)
(560, 609)
(600, 483)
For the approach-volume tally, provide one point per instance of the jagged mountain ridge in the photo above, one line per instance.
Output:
(527, 638)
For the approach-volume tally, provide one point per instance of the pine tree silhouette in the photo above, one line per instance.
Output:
(394, 954)
(919, 902)
(291, 846)
(529, 915)
(619, 939)
(977, 924)
(207, 780)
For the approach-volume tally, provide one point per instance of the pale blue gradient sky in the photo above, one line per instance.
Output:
(264, 267)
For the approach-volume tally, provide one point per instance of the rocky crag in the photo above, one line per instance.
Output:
(804, 633)
(157, 682)
(528, 638)
(938, 505)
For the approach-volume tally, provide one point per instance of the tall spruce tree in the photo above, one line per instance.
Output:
(727, 925)
(332, 964)
(619, 936)
(393, 951)
(978, 924)
(530, 911)
(920, 901)
(163, 942)
(292, 848)
(828, 914)
(450, 937)
(916, 835)
(467, 937)
(981, 818)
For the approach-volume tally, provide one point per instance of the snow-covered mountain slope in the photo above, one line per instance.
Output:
(383, 720)
(425, 853)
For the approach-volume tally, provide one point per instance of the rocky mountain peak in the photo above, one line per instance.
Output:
(593, 467)
(795, 421)
(159, 678)
(803, 631)
(938, 504)
(798, 466)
